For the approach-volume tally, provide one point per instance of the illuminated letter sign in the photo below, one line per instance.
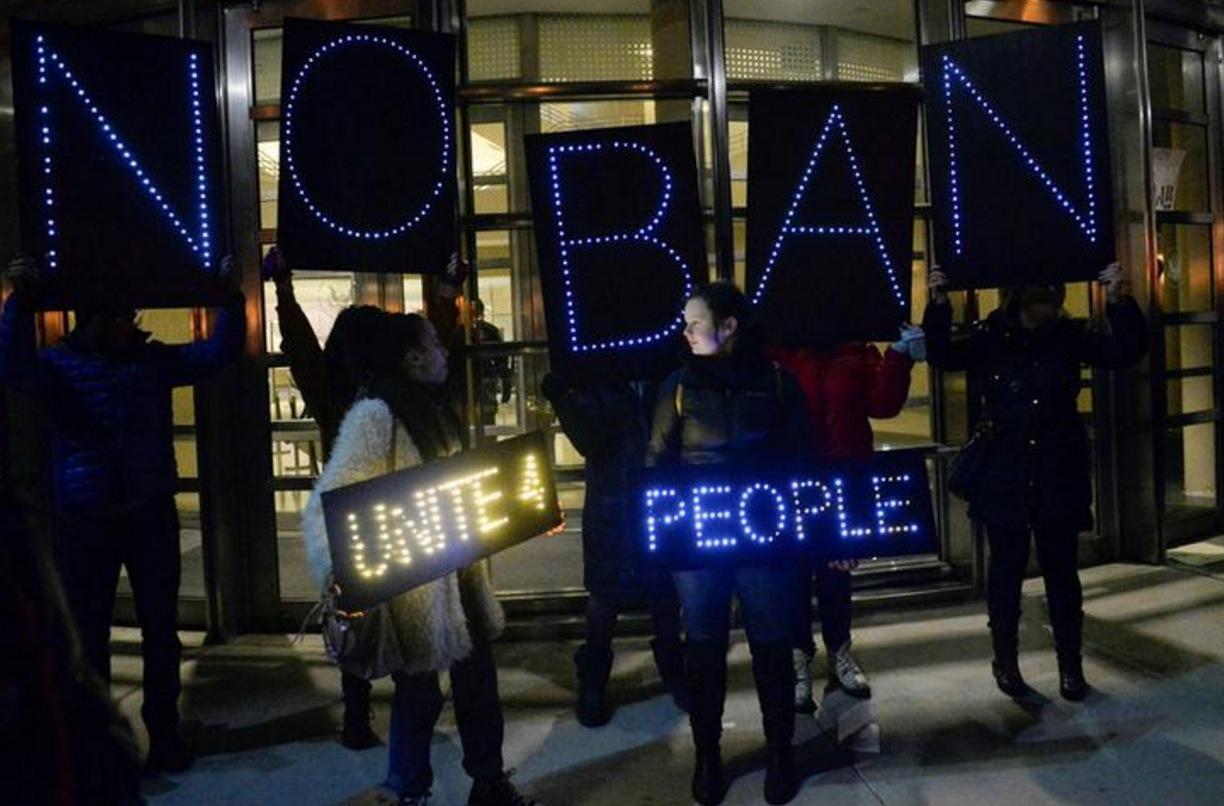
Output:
(120, 187)
(1019, 154)
(698, 516)
(830, 212)
(620, 237)
(367, 154)
(396, 532)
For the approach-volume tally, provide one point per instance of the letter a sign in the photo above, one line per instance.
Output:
(621, 244)
(830, 212)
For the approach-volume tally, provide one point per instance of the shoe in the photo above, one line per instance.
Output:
(415, 800)
(594, 668)
(781, 781)
(1071, 683)
(709, 786)
(669, 660)
(499, 791)
(1007, 676)
(846, 674)
(802, 661)
(168, 753)
(357, 733)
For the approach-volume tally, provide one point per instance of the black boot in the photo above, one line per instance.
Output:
(499, 791)
(775, 681)
(1071, 683)
(1069, 641)
(669, 660)
(705, 675)
(356, 733)
(1006, 664)
(594, 667)
(167, 752)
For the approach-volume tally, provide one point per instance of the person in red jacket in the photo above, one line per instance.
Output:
(844, 387)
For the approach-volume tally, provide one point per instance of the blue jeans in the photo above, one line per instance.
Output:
(833, 591)
(415, 707)
(766, 596)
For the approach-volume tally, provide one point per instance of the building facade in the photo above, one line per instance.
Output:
(248, 451)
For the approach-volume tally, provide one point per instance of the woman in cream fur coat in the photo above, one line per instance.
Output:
(447, 624)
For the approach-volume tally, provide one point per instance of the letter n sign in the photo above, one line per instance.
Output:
(620, 242)
(831, 211)
(120, 166)
(367, 148)
(1019, 153)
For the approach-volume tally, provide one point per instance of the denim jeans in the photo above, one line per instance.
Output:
(766, 600)
(833, 591)
(415, 707)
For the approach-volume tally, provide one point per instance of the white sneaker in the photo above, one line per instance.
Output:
(804, 704)
(846, 674)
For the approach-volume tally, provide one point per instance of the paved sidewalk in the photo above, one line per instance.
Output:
(264, 713)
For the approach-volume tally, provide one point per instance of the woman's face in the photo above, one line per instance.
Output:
(427, 363)
(704, 335)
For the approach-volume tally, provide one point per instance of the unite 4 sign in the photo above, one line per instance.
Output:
(120, 166)
(1019, 150)
(700, 516)
(393, 533)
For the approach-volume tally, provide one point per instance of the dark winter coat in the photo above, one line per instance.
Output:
(844, 387)
(607, 424)
(112, 418)
(733, 409)
(1036, 466)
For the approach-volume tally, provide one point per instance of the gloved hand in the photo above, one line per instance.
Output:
(911, 335)
(275, 268)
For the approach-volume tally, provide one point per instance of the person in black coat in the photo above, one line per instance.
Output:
(606, 422)
(730, 405)
(1032, 474)
(107, 390)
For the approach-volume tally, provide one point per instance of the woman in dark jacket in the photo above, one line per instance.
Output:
(328, 380)
(606, 422)
(1024, 361)
(730, 404)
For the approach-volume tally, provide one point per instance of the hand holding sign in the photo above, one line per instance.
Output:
(937, 286)
(22, 272)
(1115, 284)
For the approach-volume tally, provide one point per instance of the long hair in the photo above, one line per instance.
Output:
(725, 300)
(354, 352)
(433, 428)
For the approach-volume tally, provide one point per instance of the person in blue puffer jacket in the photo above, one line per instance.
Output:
(107, 391)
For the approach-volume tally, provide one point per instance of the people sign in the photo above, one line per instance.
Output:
(395, 532)
(697, 516)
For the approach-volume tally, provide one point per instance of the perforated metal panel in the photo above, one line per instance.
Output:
(772, 51)
(493, 48)
(595, 47)
(861, 57)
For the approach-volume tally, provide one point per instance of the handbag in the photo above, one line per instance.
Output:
(364, 644)
(966, 467)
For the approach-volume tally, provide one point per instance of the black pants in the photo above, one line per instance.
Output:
(833, 589)
(415, 707)
(1009, 553)
(145, 540)
(602, 613)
